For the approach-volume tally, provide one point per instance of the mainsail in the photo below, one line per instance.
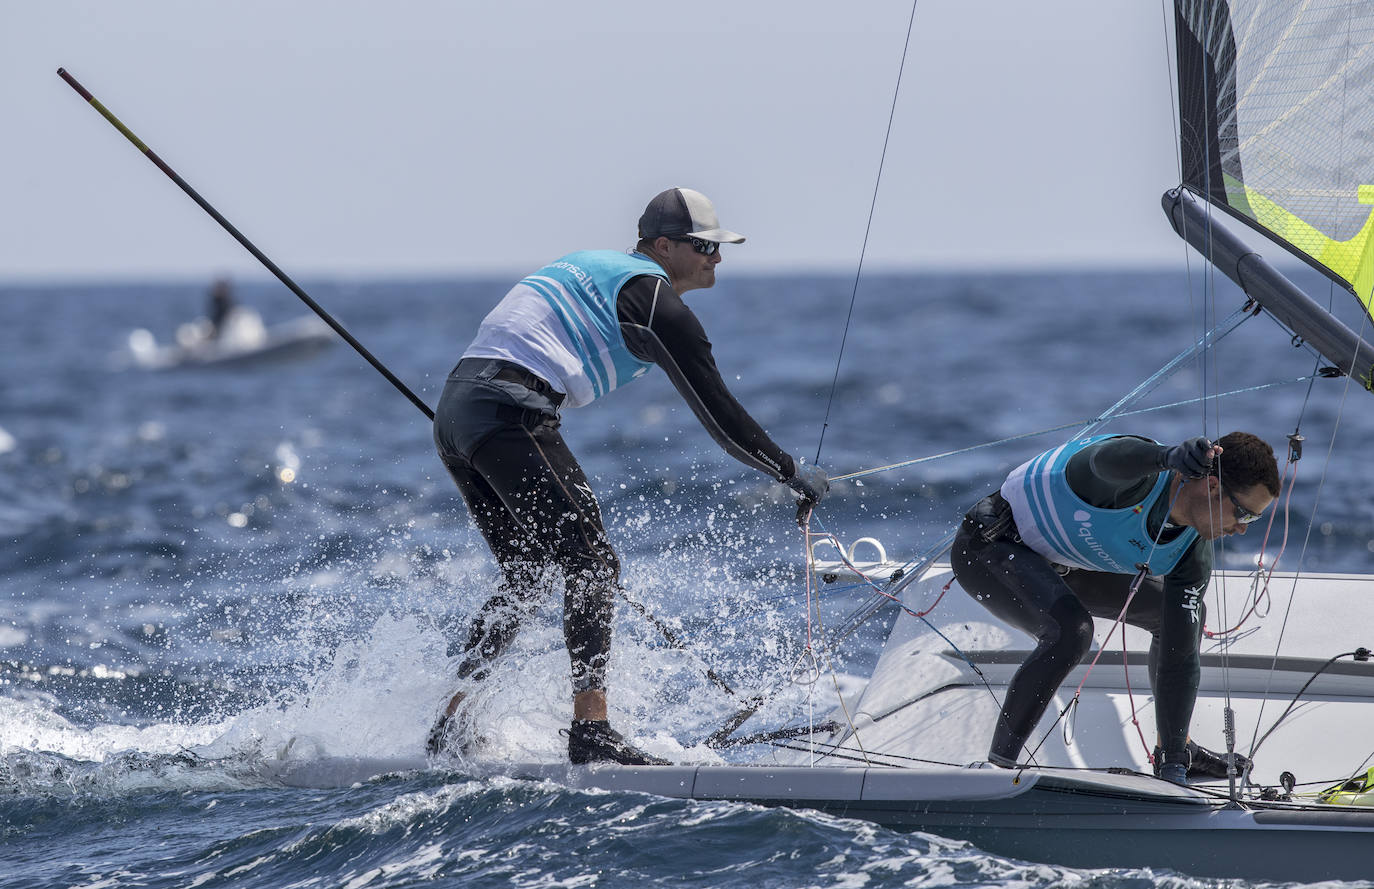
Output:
(1277, 123)
(1276, 113)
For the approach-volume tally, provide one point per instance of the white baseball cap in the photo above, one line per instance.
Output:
(682, 213)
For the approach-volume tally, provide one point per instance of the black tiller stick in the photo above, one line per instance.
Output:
(248, 245)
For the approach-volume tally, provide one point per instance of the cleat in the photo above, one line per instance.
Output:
(593, 740)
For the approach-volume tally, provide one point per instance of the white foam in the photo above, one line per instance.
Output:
(32, 726)
(377, 698)
(378, 695)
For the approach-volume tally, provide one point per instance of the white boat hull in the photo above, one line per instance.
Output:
(242, 344)
(1078, 819)
(926, 702)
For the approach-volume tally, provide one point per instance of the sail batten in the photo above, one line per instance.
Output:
(1276, 108)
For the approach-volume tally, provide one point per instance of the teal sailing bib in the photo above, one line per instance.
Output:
(1062, 527)
(581, 289)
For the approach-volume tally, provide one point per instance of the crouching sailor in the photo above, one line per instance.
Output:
(563, 337)
(1062, 542)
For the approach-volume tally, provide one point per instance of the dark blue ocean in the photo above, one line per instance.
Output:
(207, 570)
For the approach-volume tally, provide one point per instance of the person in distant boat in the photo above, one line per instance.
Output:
(1065, 537)
(563, 337)
(221, 304)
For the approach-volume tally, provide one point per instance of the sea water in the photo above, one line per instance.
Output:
(210, 571)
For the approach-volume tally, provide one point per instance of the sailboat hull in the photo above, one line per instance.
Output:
(1077, 819)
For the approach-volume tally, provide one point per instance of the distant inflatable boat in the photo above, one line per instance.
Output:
(242, 339)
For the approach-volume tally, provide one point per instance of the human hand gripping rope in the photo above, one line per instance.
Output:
(1192, 459)
(811, 483)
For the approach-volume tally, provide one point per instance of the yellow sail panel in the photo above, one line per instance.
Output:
(1276, 114)
(1351, 259)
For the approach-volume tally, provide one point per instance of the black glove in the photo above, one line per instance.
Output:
(1192, 459)
(810, 482)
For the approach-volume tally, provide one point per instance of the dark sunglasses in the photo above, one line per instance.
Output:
(705, 248)
(1243, 515)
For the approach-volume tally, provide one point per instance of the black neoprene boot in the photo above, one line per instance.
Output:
(593, 740)
(438, 735)
(1204, 764)
(1208, 764)
(452, 735)
(1173, 768)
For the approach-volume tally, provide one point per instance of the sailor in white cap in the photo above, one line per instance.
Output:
(563, 337)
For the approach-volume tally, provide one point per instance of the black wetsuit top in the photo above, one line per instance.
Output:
(659, 327)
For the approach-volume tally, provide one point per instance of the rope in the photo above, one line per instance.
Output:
(988, 444)
(882, 596)
(1087, 426)
(1259, 591)
(1142, 572)
(1302, 556)
(1259, 586)
(868, 228)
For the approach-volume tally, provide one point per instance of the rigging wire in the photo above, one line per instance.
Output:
(864, 473)
(835, 680)
(915, 568)
(1142, 571)
(1302, 556)
(743, 715)
(1341, 144)
(1359, 654)
(868, 228)
(1260, 578)
(1165, 6)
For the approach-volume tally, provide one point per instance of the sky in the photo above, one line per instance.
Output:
(428, 138)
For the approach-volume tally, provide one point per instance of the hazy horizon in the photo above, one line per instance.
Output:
(348, 139)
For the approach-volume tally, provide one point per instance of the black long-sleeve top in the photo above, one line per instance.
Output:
(659, 327)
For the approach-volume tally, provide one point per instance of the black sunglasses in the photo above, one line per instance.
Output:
(705, 248)
(1243, 514)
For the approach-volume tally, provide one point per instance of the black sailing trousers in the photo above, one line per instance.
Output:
(1022, 588)
(500, 442)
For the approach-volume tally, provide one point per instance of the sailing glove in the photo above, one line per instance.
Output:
(1191, 459)
(810, 482)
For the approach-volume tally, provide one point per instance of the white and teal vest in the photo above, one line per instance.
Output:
(561, 324)
(1059, 525)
